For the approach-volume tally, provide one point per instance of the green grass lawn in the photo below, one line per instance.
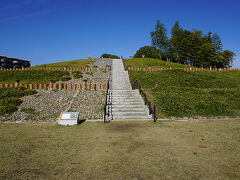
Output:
(72, 64)
(178, 93)
(32, 76)
(145, 62)
(121, 150)
(10, 99)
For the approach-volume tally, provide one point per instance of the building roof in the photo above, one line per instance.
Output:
(13, 58)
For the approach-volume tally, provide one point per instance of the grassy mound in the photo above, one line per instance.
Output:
(10, 99)
(32, 76)
(178, 93)
(145, 62)
(72, 64)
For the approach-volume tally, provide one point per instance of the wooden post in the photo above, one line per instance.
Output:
(70, 86)
(65, 86)
(150, 68)
(16, 83)
(79, 87)
(89, 86)
(35, 86)
(104, 87)
(99, 87)
(74, 86)
(51, 84)
(94, 87)
(84, 84)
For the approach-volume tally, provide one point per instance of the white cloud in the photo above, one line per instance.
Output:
(30, 15)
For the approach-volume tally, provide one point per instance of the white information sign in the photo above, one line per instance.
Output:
(68, 118)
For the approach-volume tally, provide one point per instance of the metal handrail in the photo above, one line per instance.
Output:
(106, 111)
(108, 101)
(137, 85)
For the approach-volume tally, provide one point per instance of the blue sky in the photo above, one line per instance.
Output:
(46, 31)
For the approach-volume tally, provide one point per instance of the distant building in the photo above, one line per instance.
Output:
(8, 62)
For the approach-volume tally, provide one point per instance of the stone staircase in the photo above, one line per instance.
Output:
(127, 104)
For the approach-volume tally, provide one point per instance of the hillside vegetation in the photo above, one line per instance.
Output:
(32, 76)
(179, 93)
(145, 62)
(72, 64)
(10, 99)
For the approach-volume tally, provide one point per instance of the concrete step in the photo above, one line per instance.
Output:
(125, 103)
(126, 100)
(129, 106)
(124, 94)
(123, 91)
(131, 117)
(126, 97)
(128, 109)
(142, 113)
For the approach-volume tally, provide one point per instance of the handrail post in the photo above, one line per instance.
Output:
(154, 114)
(104, 114)
(150, 109)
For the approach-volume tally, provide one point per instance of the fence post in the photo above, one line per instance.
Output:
(16, 83)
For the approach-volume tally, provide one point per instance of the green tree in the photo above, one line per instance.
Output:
(176, 30)
(216, 43)
(227, 58)
(174, 46)
(159, 37)
(149, 52)
(191, 47)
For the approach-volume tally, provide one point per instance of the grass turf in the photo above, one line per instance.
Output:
(121, 150)
(179, 93)
(145, 62)
(72, 64)
(32, 76)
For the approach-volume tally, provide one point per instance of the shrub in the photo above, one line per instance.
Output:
(149, 52)
(77, 74)
(110, 56)
(65, 78)
(28, 110)
(10, 99)
(89, 73)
